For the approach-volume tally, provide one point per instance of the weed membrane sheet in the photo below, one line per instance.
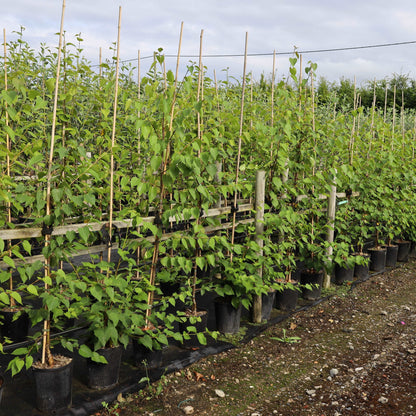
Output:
(19, 393)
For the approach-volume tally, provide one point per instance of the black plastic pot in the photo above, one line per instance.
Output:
(17, 329)
(315, 279)
(404, 250)
(227, 317)
(412, 251)
(53, 388)
(199, 326)
(362, 271)
(144, 358)
(267, 303)
(103, 376)
(343, 274)
(286, 299)
(377, 258)
(391, 255)
(1, 387)
(169, 288)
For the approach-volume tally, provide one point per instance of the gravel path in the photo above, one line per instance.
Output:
(356, 356)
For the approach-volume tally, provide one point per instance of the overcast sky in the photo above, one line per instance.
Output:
(271, 25)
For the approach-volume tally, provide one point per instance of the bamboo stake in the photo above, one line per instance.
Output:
(176, 78)
(198, 93)
(155, 256)
(353, 124)
(239, 143)
(199, 99)
(313, 128)
(216, 91)
(414, 137)
(46, 353)
(372, 131)
(332, 203)
(8, 148)
(113, 142)
(393, 124)
(139, 251)
(272, 105)
(300, 82)
(259, 224)
(385, 105)
(402, 122)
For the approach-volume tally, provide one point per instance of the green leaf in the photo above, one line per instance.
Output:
(33, 290)
(16, 296)
(201, 338)
(9, 261)
(84, 233)
(50, 84)
(85, 351)
(146, 341)
(27, 247)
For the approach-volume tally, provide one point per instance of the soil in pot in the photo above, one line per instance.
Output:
(287, 298)
(343, 274)
(403, 251)
(227, 317)
(362, 271)
(14, 329)
(199, 326)
(267, 303)
(53, 385)
(315, 279)
(391, 255)
(103, 376)
(377, 258)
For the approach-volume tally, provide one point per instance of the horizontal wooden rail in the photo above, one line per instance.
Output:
(24, 233)
(102, 247)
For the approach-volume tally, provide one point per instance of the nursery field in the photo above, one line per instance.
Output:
(355, 355)
(144, 213)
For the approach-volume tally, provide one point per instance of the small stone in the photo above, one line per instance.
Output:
(219, 393)
(384, 313)
(383, 400)
(359, 369)
(334, 403)
(188, 410)
(333, 372)
(311, 392)
(255, 414)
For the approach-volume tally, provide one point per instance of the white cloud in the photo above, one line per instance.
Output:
(270, 24)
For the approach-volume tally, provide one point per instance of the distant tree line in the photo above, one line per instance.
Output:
(342, 92)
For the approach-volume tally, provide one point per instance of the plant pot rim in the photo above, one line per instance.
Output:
(379, 248)
(199, 312)
(38, 366)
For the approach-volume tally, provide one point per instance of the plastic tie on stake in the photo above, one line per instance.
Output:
(234, 208)
(47, 229)
(106, 236)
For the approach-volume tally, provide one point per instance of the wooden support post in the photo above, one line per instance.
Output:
(259, 224)
(332, 202)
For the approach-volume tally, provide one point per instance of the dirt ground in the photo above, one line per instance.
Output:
(355, 355)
